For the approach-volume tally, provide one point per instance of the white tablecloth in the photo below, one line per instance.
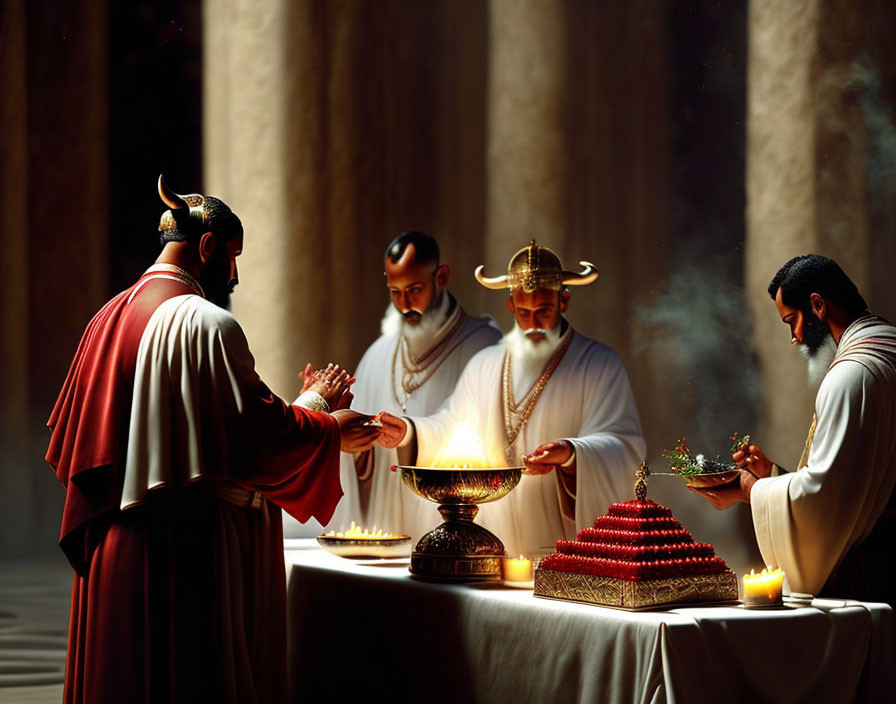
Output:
(362, 630)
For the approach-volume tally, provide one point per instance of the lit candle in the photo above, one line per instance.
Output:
(518, 572)
(355, 532)
(763, 589)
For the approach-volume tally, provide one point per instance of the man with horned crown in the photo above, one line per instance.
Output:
(411, 368)
(547, 398)
(176, 460)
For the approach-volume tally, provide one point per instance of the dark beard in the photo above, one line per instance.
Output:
(221, 299)
(216, 282)
(815, 332)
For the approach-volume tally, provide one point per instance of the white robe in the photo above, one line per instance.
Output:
(184, 334)
(588, 401)
(195, 378)
(392, 506)
(806, 521)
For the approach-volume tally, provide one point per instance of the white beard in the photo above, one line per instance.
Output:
(819, 362)
(527, 358)
(420, 337)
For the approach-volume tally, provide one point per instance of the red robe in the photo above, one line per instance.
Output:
(180, 597)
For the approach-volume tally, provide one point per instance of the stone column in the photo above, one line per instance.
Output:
(244, 90)
(526, 158)
(328, 131)
(292, 145)
(814, 131)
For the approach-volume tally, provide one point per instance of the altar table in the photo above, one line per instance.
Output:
(365, 631)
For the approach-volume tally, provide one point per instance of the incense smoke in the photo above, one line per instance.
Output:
(860, 78)
(881, 164)
(841, 87)
(697, 334)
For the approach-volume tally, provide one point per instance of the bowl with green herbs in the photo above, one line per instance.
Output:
(700, 471)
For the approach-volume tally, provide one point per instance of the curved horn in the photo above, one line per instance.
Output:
(495, 282)
(169, 197)
(588, 274)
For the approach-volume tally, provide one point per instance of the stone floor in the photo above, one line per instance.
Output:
(34, 607)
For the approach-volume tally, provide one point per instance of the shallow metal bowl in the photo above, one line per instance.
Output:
(711, 479)
(450, 485)
(366, 548)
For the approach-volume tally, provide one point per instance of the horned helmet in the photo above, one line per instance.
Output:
(535, 267)
(191, 216)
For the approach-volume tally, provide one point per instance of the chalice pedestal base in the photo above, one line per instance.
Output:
(458, 550)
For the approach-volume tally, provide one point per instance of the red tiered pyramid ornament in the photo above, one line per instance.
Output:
(636, 557)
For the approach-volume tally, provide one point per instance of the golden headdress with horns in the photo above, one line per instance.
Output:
(535, 267)
(193, 215)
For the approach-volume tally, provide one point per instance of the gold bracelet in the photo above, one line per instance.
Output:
(313, 401)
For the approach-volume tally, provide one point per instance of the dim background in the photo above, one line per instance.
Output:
(688, 149)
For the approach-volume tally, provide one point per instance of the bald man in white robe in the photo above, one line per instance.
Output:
(427, 339)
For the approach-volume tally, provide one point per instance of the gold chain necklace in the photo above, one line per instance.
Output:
(524, 408)
(429, 362)
(179, 274)
(167, 271)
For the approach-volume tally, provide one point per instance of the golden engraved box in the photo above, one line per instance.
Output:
(636, 596)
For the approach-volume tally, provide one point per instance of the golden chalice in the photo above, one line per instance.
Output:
(459, 549)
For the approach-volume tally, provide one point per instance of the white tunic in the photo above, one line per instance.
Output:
(588, 401)
(806, 521)
(390, 505)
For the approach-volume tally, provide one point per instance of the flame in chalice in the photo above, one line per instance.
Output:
(465, 450)
(459, 479)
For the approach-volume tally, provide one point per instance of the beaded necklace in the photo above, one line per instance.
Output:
(522, 410)
(416, 371)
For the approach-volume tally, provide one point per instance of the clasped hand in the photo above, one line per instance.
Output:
(332, 383)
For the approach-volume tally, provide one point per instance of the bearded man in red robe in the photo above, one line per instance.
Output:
(176, 460)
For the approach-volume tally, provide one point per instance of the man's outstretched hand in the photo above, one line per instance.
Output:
(547, 456)
(393, 431)
(357, 434)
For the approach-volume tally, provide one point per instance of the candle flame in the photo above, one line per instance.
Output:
(769, 582)
(767, 573)
(358, 533)
(465, 450)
